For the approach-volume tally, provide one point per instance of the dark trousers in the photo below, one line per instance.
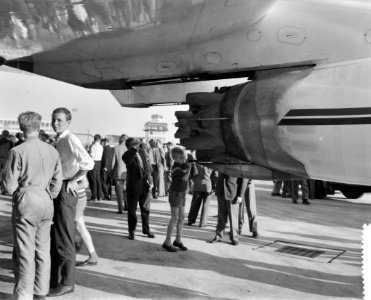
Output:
(94, 180)
(106, 180)
(156, 180)
(62, 250)
(144, 203)
(198, 199)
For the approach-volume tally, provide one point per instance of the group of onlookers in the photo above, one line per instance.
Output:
(48, 179)
(109, 168)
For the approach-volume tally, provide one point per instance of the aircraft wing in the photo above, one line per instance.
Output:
(120, 44)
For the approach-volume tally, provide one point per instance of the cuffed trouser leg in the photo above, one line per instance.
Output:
(233, 219)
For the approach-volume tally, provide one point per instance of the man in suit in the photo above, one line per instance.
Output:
(229, 191)
(119, 174)
(156, 163)
(137, 186)
(106, 169)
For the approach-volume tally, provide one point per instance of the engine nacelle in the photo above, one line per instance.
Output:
(287, 123)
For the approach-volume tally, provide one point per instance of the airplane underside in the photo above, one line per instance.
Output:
(305, 111)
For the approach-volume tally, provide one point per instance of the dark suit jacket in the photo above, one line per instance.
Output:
(5, 146)
(135, 172)
(107, 158)
(230, 187)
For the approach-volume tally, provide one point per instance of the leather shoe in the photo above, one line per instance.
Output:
(169, 248)
(214, 240)
(180, 246)
(306, 202)
(234, 242)
(294, 201)
(150, 235)
(87, 262)
(60, 290)
(255, 234)
(131, 236)
(39, 297)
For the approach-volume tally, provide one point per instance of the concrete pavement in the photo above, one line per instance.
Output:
(255, 269)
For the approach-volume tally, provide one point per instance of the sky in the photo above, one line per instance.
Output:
(93, 111)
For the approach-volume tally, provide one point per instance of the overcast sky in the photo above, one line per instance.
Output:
(96, 111)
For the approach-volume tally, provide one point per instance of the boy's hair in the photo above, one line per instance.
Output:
(64, 111)
(123, 138)
(177, 151)
(29, 121)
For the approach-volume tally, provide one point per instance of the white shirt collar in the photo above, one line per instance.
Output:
(63, 134)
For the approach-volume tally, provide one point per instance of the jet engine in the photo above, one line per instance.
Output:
(284, 124)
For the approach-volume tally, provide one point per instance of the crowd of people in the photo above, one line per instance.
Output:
(48, 178)
(290, 188)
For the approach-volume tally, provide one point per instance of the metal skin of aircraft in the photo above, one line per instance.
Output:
(306, 111)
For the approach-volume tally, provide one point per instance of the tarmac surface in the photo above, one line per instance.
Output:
(328, 232)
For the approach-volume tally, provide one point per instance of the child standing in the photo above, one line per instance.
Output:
(177, 196)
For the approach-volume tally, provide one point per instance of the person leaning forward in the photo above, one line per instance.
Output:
(137, 186)
(33, 174)
(76, 162)
(229, 191)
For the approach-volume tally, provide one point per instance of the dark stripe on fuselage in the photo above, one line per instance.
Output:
(332, 121)
(329, 112)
